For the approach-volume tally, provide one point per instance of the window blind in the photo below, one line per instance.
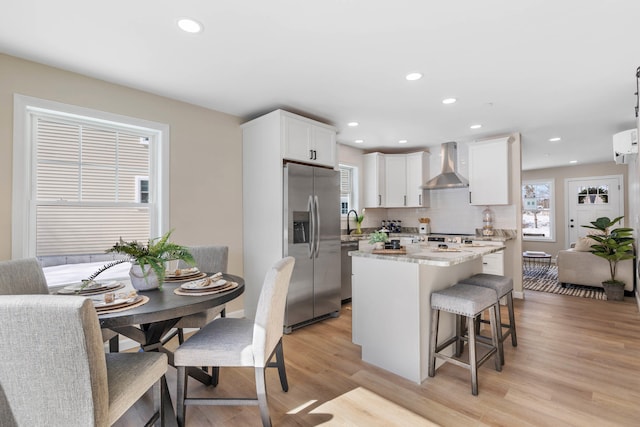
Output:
(87, 192)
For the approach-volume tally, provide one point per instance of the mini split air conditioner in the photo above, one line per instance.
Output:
(624, 145)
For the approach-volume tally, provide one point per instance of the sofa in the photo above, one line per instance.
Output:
(578, 266)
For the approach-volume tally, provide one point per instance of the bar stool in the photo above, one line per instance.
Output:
(503, 286)
(464, 301)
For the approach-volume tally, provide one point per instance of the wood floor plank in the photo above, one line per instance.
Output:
(577, 364)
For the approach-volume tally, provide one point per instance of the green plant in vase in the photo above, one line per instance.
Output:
(148, 260)
(359, 219)
(614, 245)
(378, 238)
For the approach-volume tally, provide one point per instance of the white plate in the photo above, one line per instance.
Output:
(95, 286)
(182, 272)
(101, 304)
(200, 284)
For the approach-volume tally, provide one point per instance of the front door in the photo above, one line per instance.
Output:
(589, 199)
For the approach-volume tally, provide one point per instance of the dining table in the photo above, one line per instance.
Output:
(148, 323)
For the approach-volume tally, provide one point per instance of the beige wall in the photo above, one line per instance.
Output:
(206, 152)
(560, 175)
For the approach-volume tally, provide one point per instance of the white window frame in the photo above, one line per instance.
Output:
(23, 223)
(552, 210)
(354, 188)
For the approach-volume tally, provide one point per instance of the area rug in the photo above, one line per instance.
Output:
(546, 280)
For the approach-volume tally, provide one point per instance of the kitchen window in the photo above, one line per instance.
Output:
(348, 179)
(538, 212)
(85, 178)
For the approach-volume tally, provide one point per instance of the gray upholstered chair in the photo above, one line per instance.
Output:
(210, 259)
(228, 342)
(25, 277)
(56, 373)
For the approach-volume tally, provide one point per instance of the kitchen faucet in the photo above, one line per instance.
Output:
(349, 213)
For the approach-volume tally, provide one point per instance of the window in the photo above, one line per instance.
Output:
(85, 178)
(348, 187)
(538, 215)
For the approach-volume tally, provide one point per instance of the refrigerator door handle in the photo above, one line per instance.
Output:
(316, 238)
(313, 227)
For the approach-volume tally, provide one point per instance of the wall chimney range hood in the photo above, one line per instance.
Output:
(448, 178)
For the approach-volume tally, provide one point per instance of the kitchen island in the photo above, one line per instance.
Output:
(391, 306)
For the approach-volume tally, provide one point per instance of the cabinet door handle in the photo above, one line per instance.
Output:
(420, 199)
(405, 200)
(469, 196)
(310, 154)
(315, 155)
(379, 199)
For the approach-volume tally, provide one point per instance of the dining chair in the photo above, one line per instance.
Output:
(210, 259)
(26, 277)
(55, 371)
(233, 342)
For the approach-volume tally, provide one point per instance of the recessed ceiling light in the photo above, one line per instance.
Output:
(359, 141)
(573, 161)
(402, 141)
(475, 126)
(190, 25)
(413, 76)
(555, 139)
(449, 100)
(353, 124)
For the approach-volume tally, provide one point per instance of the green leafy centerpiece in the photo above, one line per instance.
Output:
(614, 245)
(148, 260)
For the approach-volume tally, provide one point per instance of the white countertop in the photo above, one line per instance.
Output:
(421, 253)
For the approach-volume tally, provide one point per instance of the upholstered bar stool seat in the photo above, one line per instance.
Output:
(464, 301)
(503, 286)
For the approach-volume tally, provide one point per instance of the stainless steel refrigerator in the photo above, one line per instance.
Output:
(312, 237)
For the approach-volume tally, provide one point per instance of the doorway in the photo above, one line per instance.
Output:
(590, 198)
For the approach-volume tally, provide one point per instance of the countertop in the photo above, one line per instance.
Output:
(421, 253)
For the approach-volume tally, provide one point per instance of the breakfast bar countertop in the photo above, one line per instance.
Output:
(430, 255)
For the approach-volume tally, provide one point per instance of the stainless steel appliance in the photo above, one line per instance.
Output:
(312, 237)
(345, 270)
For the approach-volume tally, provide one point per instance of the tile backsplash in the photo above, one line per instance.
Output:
(449, 212)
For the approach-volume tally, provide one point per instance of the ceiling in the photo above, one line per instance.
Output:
(542, 68)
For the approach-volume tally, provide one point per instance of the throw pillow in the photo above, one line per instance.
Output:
(584, 244)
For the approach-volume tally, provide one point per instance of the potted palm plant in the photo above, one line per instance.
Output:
(614, 245)
(148, 260)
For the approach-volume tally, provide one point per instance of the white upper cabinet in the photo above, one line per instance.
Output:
(373, 175)
(394, 180)
(417, 176)
(308, 141)
(489, 175)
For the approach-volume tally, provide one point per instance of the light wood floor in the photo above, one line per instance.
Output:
(577, 364)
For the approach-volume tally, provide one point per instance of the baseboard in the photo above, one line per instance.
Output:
(126, 343)
(519, 295)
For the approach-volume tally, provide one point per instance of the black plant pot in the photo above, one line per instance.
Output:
(614, 290)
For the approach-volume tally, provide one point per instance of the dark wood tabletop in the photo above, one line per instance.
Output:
(164, 304)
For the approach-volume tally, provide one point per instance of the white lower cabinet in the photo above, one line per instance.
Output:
(493, 263)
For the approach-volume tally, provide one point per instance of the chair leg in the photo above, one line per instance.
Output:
(181, 394)
(280, 364)
(433, 341)
(158, 403)
(473, 359)
(261, 390)
(114, 344)
(180, 336)
(223, 313)
(498, 330)
(215, 375)
(512, 320)
(496, 341)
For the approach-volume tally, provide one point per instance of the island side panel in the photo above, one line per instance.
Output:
(392, 311)
(386, 314)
